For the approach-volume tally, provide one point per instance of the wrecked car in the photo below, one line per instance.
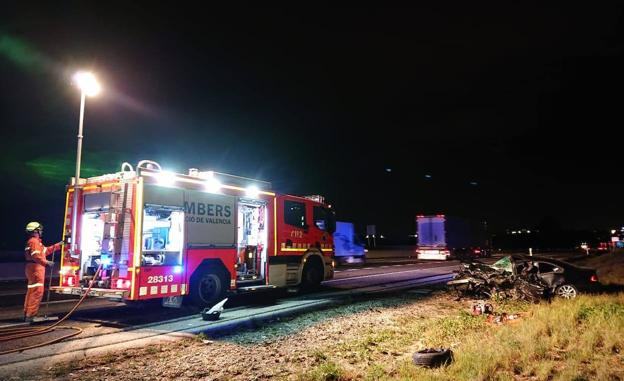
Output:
(523, 277)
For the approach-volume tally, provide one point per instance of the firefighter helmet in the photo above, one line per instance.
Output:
(33, 226)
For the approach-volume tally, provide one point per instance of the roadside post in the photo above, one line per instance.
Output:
(530, 251)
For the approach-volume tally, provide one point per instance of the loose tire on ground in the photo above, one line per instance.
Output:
(432, 357)
(208, 289)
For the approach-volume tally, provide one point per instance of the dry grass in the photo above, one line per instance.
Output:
(374, 340)
(565, 340)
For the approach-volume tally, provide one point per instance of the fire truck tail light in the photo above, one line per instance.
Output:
(594, 278)
(65, 270)
(122, 283)
(68, 280)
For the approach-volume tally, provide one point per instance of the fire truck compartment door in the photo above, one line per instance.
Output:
(94, 202)
(156, 195)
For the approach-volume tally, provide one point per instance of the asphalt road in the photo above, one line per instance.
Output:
(118, 314)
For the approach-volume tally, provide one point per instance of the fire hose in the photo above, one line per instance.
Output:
(8, 334)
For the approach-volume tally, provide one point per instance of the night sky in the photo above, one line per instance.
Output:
(508, 113)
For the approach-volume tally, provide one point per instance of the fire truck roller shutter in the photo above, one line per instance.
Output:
(209, 283)
(313, 271)
(157, 195)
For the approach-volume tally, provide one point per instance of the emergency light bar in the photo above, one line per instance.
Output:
(316, 197)
(225, 178)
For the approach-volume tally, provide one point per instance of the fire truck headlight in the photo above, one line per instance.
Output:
(166, 179)
(252, 191)
(177, 270)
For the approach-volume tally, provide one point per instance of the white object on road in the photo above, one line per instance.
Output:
(218, 307)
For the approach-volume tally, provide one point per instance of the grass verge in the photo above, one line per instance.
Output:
(579, 339)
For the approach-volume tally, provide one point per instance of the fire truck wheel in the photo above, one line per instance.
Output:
(208, 290)
(312, 275)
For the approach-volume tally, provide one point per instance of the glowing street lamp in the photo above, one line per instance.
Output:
(89, 86)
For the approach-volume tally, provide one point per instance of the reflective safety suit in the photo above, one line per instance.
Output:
(35, 253)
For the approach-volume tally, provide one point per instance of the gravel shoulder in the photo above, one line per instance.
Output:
(286, 349)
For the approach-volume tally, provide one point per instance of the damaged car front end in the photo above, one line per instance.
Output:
(522, 278)
(497, 281)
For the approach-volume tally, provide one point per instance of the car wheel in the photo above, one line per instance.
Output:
(566, 291)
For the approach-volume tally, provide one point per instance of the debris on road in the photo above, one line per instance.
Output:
(482, 307)
(503, 318)
(487, 310)
(214, 312)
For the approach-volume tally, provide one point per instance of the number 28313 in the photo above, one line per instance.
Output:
(159, 278)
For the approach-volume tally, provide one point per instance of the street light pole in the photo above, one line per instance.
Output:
(88, 87)
(77, 176)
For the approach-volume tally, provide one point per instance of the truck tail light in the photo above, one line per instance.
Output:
(68, 280)
(121, 283)
(594, 278)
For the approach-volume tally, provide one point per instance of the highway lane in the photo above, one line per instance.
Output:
(346, 278)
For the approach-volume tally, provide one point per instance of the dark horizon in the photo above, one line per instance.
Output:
(509, 114)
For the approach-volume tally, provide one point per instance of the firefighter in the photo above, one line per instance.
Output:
(35, 254)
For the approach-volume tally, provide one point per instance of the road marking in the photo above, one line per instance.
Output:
(382, 274)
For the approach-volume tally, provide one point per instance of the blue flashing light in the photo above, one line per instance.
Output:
(177, 270)
(105, 260)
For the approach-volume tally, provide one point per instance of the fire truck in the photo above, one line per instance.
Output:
(195, 236)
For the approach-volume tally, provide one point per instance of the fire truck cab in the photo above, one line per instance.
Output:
(197, 236)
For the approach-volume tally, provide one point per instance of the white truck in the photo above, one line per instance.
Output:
(441, 237)
(431, 237)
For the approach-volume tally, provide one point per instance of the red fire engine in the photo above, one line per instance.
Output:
(158, 234)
